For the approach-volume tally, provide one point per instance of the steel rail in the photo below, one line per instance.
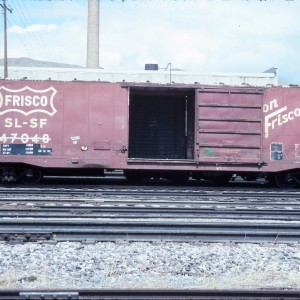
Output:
(82, 218)
(151, 294)
(149, 209)
(240, 194)
(179, 200)
(75, 230)
(138, 213)
(157, 191)
(146, 193)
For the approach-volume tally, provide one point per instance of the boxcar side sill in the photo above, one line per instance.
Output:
(161, 161)
(192, 162)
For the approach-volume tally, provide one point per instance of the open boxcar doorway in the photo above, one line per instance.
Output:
(161, 123)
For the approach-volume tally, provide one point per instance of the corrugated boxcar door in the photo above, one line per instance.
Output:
(229, 126)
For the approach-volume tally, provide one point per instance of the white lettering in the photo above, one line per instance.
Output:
(276, 118)
(21, 100)
(268, 107)
(33, 123)
(17, 125)
(44, 101)
(8, 122)
(43, 122)
(16, 100)
(27, 101)
(269, 116)
(7, 99)
(291, 115)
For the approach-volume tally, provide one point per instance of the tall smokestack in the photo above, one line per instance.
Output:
(92, 53)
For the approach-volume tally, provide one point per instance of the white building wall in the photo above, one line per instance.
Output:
(163, 77)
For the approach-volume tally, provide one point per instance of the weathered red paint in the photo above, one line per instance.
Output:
(236, 129)
(88, 129)
(281, 119)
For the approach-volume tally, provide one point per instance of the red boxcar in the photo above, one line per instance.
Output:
(148, 130)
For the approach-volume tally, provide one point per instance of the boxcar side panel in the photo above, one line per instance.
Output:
(281, 114)
(108, 125)
(75, 121)
(31, 121)
(61, 124)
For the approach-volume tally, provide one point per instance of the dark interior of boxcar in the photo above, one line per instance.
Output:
(161, 123)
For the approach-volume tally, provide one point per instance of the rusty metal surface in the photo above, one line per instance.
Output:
(73, 124)
(281, 112)
(86, 124)
(229, 137)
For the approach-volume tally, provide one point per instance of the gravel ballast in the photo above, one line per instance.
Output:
(149, 265)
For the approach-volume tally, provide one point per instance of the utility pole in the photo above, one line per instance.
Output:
(5, 8)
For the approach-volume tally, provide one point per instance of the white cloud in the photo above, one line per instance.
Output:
(68, 43)
(32, 28)
(188, 59)
(111, 59)
(207, 36)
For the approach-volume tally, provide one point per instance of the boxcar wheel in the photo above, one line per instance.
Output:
(178, 177)
(31, 176)
(8, 175)
(133, 176)
(285, 180)
(221, 180)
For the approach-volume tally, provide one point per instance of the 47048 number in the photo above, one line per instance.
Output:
(25, 138)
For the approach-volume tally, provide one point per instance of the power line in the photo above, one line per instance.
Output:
(22, 15)
(10, 23)
(5, 8)
(36, 40)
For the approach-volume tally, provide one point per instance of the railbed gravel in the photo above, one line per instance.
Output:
(75, 265)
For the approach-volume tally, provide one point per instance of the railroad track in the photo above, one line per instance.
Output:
(70, 230)
(149, 213)
(151, 294)
(153, 191)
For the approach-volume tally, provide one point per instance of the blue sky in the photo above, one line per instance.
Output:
(193, 35)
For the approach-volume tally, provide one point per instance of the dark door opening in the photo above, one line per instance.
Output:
(161, 124)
